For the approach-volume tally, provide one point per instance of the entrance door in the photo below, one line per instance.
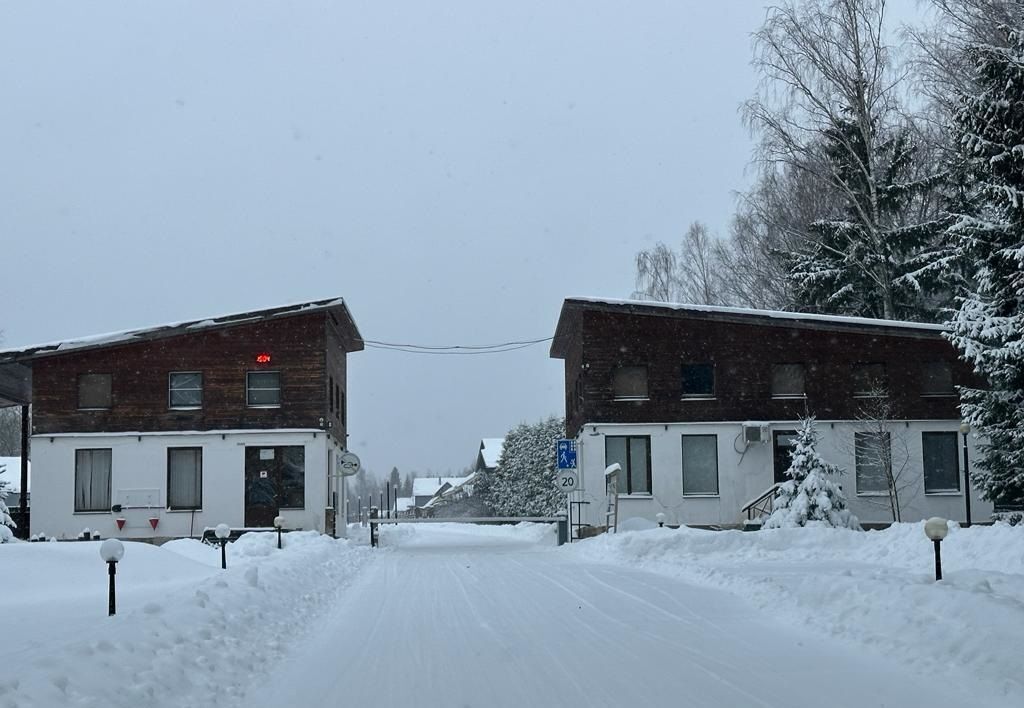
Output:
(782, 446)
(274, 480)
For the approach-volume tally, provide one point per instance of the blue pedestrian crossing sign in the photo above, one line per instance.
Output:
(566, 454)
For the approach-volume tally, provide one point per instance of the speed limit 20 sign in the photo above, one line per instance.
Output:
(567, 480)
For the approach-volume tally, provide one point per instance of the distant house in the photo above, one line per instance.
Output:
(426, 488)
(699, 406)
(489, 453)
(160, 432)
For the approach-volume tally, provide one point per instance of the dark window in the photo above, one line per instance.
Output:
(342, 408)
(92, 480)
(941, 462)
(788, 381)
(293, 477)
(937, 379)
(94, 391)
(633, 453)
(698, 380)
(873, 459)
(629, 383)
(263, 388)
(185, 478)
(337, 399)
(700, 464)
(185, 390)
(869, 380)
(331, 396)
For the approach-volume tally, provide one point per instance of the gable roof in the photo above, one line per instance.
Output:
(336, 306)
(573, 306)
(490, 451)
(430, 486)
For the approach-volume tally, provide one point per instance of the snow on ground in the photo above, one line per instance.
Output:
(873, 590)
(186, 632)
(456, 615)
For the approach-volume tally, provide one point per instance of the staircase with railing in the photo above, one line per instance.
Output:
(761, 505)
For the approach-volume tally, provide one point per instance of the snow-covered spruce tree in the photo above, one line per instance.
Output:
(522, 484)
(6, 522)
(988, 327)
(810, 497)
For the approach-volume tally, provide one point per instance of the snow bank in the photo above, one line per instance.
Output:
(875, 588)
(186, 632)
(449, 533)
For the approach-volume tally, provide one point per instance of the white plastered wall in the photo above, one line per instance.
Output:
(745, 473)
(139, 462)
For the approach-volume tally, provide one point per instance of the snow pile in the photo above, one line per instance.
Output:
(452, 534)
(875, 588)
(186, 632)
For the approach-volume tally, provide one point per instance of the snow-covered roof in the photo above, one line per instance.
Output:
(429, 486)
(11, 474)
(177, 328)
(404, 503)
(465, 480)
(732, 313)
(490, 451)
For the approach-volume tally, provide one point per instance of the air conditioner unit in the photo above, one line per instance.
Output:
(754, 432)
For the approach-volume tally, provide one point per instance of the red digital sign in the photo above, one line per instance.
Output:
(263, 358)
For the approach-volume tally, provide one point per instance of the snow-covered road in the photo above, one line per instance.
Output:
(444, 617)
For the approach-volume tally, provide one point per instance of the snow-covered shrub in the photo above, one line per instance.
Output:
(6, 522)
(523, 482)
(810, 497)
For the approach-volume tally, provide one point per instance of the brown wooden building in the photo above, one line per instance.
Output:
(164, 430)
(699, 404)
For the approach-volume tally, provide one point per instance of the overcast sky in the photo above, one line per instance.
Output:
(452, 169)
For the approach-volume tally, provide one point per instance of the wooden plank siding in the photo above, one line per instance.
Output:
(298, 346)
(597, 339)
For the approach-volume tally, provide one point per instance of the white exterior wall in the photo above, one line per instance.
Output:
(743, 476)
(139, 462)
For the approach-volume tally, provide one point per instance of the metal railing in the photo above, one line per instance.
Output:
(761, 505)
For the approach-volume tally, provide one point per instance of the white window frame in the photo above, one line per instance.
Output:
(249, 388)
(171, 390)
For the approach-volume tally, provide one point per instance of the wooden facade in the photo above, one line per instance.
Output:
(595, 338)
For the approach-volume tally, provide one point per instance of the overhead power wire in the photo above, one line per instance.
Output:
(460, 349)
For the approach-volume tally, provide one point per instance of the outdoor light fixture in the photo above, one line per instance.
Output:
(660, 516)
(278, 524)
(111, 551)
(965, 429)
(936, 529)
(222, 532)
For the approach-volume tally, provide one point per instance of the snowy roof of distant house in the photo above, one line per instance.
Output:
(429, 486)
(186, 327)
(490, 451)
(733, 314)
(404, 503)
(465, 480)
(11, 474)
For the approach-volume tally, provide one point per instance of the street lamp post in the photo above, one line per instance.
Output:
(111, 551)
(278, 524)
(936, 529)
(965, 429)
(222, 532)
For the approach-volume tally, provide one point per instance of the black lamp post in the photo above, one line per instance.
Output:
(278, 524)
(111, 551)
(965, 428)
(222, 532)
(936, 529)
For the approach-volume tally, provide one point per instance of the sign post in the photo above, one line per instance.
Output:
(346, 464)
(567, 476)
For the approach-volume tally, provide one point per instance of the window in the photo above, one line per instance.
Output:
(700, 465)
(92, 480)
(263, 389)
(941, 463)
(869, 380)
(873, 459)
(788, 381)
(185, 390)
(341, 407)
(937, 379)
(698, 380)
(331, 397)
(184, 478)
(629, 383)
(292, 492)
(94, 391)
(337, 400)
(633, 453)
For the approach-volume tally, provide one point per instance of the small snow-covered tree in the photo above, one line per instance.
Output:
(6, 522)
(988, 328)
(523, 482)
(810, 497)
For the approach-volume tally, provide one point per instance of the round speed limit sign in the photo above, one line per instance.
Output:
(567, 480)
